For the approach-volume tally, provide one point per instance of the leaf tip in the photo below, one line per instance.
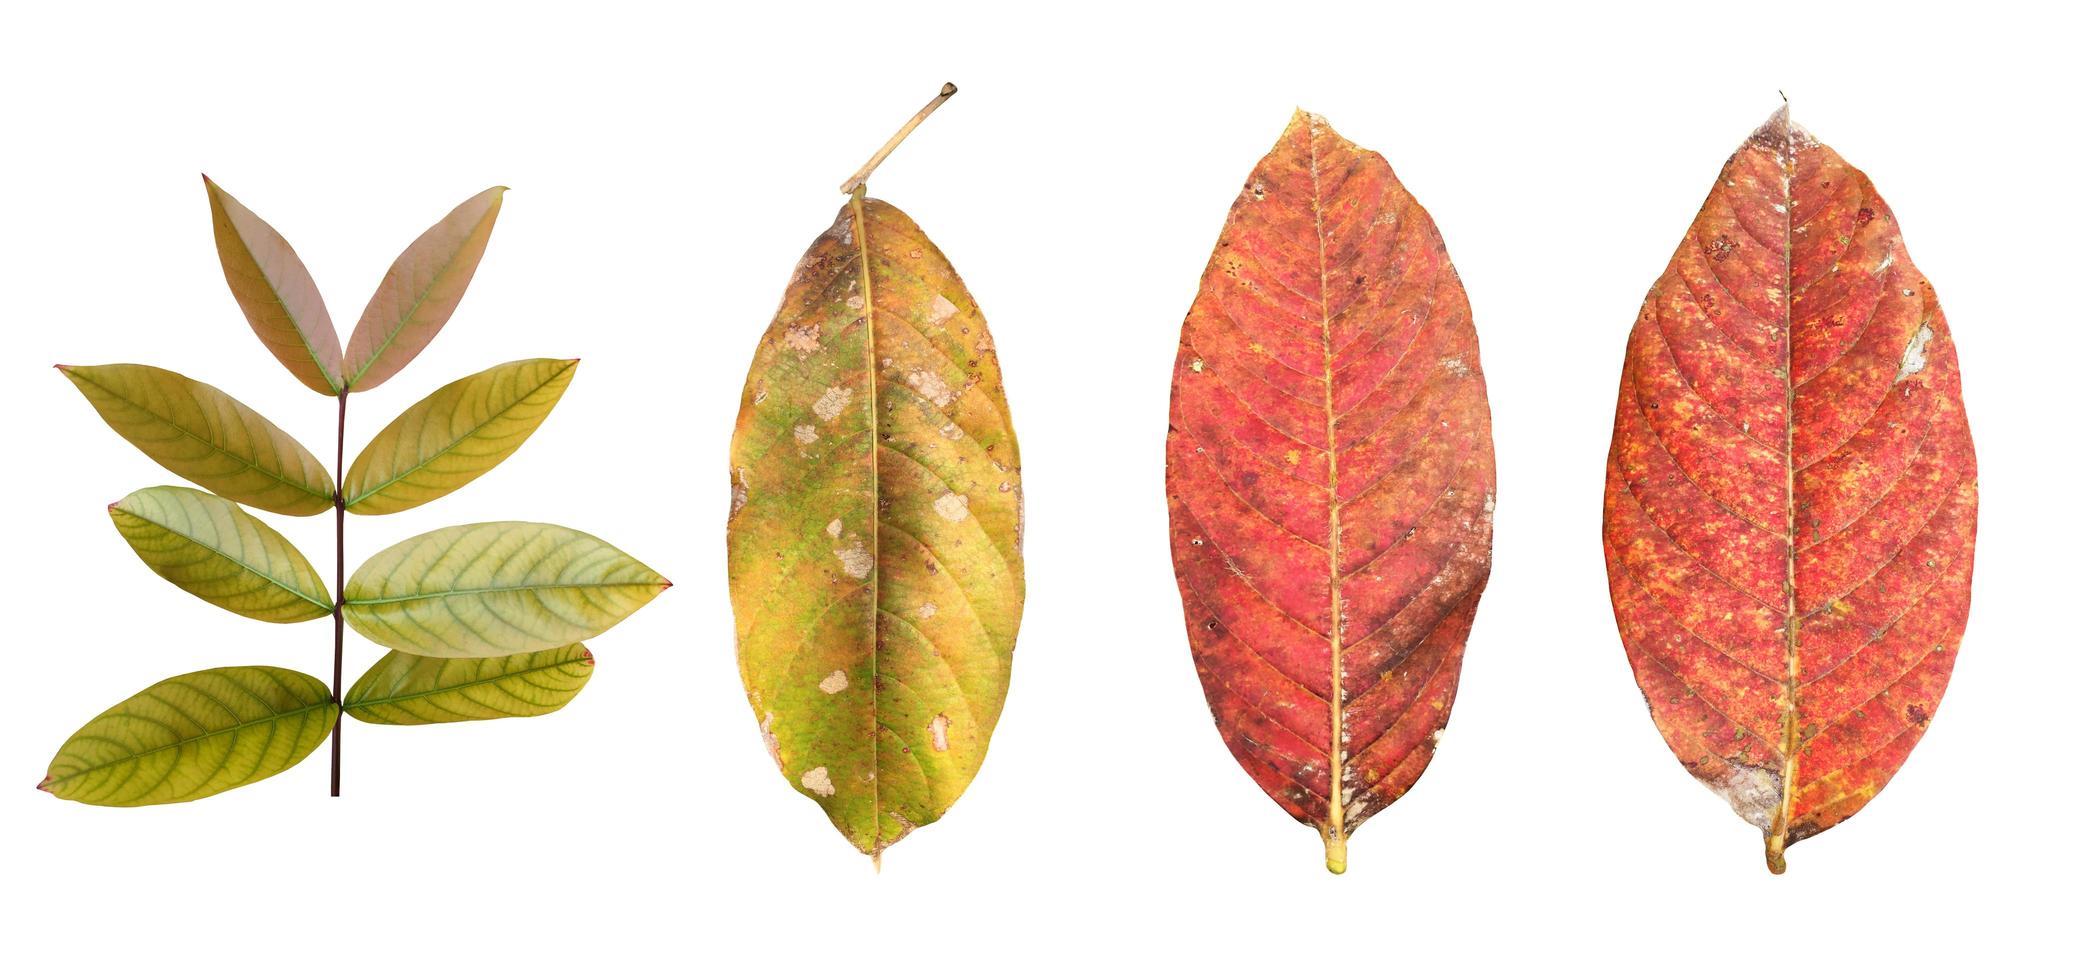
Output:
(1776, 856)
(1780, 132)
(588, 656)
(44, 784)
(949, 90)
(67, 368)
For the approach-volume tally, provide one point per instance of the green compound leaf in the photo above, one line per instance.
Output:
(219, 553)
(491, 590)
(420, 291)
(455, 435)
(279, 297)
(193, 736)
(205, 436)
(403, 689)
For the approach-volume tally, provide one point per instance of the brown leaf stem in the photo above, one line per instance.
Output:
(341, 512)
(858, 179)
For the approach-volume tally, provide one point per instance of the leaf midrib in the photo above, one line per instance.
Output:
(857, 210)
(1791, 715)
(1335, 817)
(447, 593)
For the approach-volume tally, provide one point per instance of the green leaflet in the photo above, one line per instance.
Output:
(219, 553)
(403, 689)
(203, 435)
(454, 436)
(873, 541)
(278, 296)
(420, 291)
(191, 736)
(490, 590)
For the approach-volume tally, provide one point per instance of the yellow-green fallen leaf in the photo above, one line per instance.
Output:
(279, 297)
(403, 689)
(420, 292)
(205, 436)
(219, 553)
(191, 736)
(873, 542)
(491, 590)
(455, 435)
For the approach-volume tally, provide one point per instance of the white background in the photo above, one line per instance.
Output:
(668, 167)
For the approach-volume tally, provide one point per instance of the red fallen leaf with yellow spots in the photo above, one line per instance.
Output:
(1791, 500)
(1331, 481)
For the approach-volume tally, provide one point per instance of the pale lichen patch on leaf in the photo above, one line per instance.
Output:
(951, 507)
(926, 610)
(816, 781)
(941, 309)
(835, 528)
(739, 482)
(1753, 792)
(1915, 353)
(803, 339)
(770, 742)
(857, 562)
(931, 387)
(804, 434)
(938, 728)
(831, 403)
(834, 683)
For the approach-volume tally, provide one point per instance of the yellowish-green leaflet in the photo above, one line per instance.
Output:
(203, 435)
(403, 689)
(219, 553)
(454, 436)
(491, 590)
(191, 736)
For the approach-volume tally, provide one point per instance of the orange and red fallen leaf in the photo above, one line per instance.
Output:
(1791, 493)
(1331, 481)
